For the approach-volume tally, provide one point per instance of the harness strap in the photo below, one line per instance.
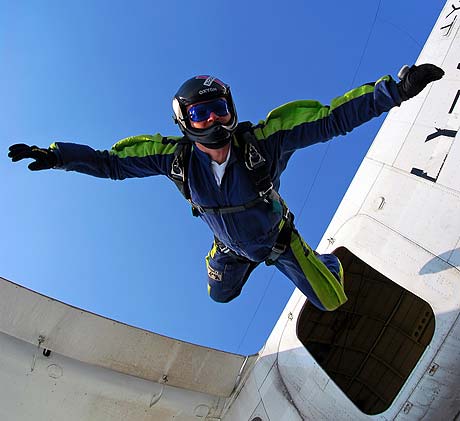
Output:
(179, 168)
(284, 238)
(256, 164)
(248, 153)
(270, 195)
(281, 244)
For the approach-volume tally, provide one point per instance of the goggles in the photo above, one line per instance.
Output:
(201, 112)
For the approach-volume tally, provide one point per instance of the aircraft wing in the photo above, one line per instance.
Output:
(58, 362)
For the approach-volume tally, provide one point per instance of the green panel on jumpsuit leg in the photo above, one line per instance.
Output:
(325, 285)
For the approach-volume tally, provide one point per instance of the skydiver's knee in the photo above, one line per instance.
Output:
(227, 275)
(218, 294)
(222, 299)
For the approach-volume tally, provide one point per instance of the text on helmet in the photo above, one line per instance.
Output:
(207, 90)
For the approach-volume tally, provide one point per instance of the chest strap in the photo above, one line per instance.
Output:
(257, 165)
(270, 196)
(282, 242)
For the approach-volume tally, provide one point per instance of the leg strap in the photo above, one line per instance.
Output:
(284, 238)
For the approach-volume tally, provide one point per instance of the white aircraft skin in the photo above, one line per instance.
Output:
(391, 353)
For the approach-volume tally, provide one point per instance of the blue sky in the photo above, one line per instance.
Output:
(94, 72)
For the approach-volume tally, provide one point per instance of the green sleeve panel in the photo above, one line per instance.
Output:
(133, 157)
(293, 114)
(144, 145)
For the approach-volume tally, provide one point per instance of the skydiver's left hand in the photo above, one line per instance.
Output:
(416, 78)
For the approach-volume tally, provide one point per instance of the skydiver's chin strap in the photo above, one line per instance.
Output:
(217, 145)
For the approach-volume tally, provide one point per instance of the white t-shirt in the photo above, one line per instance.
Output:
(219, 169)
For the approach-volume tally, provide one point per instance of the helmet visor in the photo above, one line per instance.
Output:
(202, 111)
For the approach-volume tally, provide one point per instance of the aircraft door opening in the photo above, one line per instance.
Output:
(371, 344)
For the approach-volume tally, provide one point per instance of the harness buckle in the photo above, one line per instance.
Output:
(288, 216)
(177, 170)
(222, 247)
(278, 249)
(197, 210)
(254, 157)
(267, 194)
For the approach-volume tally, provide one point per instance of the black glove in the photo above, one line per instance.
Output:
(44, 158)
(415, 79)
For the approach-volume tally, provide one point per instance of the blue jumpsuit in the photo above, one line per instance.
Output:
(246, 237)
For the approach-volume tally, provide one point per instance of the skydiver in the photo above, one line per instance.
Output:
(230, 173)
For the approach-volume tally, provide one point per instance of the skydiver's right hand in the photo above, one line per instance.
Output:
(44, 159)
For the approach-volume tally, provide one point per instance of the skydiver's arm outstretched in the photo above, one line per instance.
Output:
(143, 156)
(137, 156)
(300, 124)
